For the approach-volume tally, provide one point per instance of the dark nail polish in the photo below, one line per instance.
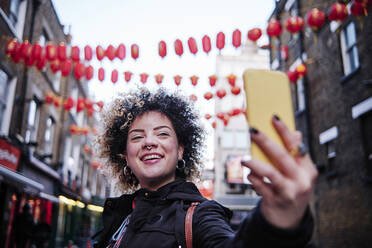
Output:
(276, 117)
(253, 130)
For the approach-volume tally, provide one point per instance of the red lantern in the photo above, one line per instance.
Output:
(127, 76)
(50, 51)
(29, 61)
(120, 52)
(159, 78)
(194, 80)
(114, 76)
(11, 47)
(231, 79)
(274, 28)
(90, 112)
(292, 76)
(144, 77)
(62, 51)
(221, 93)
(225, 121)
(68, 103)
(301, 70)
(80, 105)
(25, 50)
(110, 52)
(36, 51)
(88, 53)
(40, 64)
(207, 116)
(66, 67)
(220, 115)
(358, 9)
(16, 53)
(79, 70)
(193, 98)
(236, 111)
(99, 104)
(86, 149)
(177, 79)
(89, 72)
(192, 45)
(100, 52)
(220, 41)
(206, 44)
(55, 66)
(73, 129)
(162, 49)
(49, 98)
(284, 52)
(208, 95)
(235, 90)
(88, 103)
(101, 74)
(237, 38)
(134, 51)
(337, 12)
(316, 19)
(75, 53)
(212, 80)
(214, 124)
(254, 34)
(178, 48)
(57, 101)
(294, 24)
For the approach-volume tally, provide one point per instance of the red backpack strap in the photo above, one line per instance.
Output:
(188, 224)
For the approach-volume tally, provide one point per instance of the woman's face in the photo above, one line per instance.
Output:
(153, 150)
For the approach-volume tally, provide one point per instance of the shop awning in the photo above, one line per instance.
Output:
(20, 180)
(49, 197)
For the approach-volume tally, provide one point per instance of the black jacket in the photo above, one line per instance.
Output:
(158, 220)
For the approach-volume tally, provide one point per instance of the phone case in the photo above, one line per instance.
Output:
(267, 93)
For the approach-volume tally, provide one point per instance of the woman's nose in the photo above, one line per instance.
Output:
(150, 141)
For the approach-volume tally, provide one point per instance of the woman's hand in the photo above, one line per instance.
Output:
(285, 198)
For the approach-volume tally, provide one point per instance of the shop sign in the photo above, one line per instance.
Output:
(9, 155)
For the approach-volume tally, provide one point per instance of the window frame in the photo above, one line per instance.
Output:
(32, 128)
(3, 102)
(349, 52)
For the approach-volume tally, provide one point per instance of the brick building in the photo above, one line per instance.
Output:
(333, 104)
(41, 162)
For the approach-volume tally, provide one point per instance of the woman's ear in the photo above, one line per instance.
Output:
(180, 152)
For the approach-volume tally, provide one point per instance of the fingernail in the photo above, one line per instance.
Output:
(276, 117)
(253, 130)
(245, 159)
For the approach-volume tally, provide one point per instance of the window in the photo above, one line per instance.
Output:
(227, 139)
(32, 120)
(49, 135)
(242, 139)
(349, 49)
(4, 82)
(300, 95)
(14, 9)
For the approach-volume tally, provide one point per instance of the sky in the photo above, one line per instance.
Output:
(145, 23)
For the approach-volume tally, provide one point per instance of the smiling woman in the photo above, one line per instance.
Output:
(153, 144)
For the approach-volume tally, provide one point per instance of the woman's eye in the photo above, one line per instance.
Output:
(163, 134)
(136, 137)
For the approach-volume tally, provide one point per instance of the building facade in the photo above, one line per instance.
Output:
(333, 104)
(42, 162)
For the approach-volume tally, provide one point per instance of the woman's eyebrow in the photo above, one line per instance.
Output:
(160, 127)
(136, 130)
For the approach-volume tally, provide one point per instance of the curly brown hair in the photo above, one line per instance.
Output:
(118, 117)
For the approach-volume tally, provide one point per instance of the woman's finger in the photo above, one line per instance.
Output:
(262, 188)
(277, 154)
(289, 138)
(261, 170)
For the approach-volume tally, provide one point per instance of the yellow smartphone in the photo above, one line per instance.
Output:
(267, 93)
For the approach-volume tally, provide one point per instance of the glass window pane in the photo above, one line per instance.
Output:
(242, 139)
(355, 57)
(3, 85)
(227, 139)
(350, 34)
(32, 113)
